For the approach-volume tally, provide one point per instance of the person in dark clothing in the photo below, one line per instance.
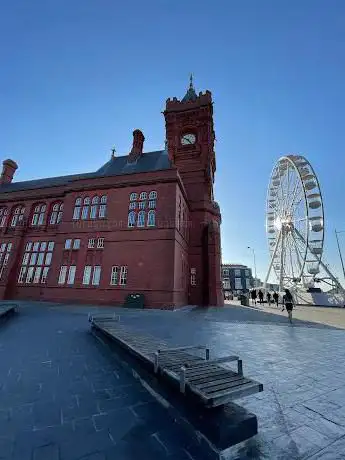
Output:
(261, 296)
(253, 296)
(268, 297)
(276, 298)
(288, 303)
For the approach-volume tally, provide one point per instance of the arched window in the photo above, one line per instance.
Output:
(151, 218)
(17, 216)
(133, 196)
(94, 207)
(131, 219)
(56, 214)
(38, 215)
(103, 207)
(152, 195)
(3, 216)
(77, 208)
(86, 208)
(141, 219)
(143, 196)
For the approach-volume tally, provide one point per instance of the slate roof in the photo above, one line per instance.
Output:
(148, 162)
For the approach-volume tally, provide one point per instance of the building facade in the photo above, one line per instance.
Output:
(143, 223)
(236, 278)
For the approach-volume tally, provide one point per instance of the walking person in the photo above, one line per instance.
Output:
(253, 296)
(276, 298)
(261, 296)
(268, 297)
(288, 302)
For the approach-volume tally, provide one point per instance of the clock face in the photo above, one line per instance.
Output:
(188, 139)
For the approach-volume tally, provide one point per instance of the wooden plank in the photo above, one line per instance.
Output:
(218, 361)
(224, 396)
(219, 381)
(178, 349)
(201, 372)
(211, 376)
(229, 386)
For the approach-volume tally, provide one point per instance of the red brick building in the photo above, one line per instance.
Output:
(142, 223)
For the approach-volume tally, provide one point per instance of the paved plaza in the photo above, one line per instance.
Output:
(64, 397)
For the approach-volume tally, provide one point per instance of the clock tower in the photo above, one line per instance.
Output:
(190, 139)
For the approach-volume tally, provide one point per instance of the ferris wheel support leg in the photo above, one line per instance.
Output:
(298, 260)
(272, 260)
(281, 262)
(334, 279)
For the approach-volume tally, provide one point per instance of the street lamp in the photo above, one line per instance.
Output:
(340, 255)
(254, 264)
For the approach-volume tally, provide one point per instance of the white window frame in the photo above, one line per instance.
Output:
(87, 275)
(123, 275)
(141, 219)
(62, 274)
(76, 244)
(133, 196)
(132, 219)
(37, 275)
(71, 274)
(150, 222)
(96, 275)
(91, 243)
(68, 243)
(100, 243)
(114, 275)
(22, 274)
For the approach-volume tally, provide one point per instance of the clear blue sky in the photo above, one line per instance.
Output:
(78, 76)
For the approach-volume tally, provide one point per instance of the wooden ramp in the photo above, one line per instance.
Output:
(190, 368)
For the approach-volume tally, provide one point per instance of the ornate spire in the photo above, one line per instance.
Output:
(190, 94)
(113, 151)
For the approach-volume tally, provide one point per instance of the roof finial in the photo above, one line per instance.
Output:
(113, 151)
(191, 86)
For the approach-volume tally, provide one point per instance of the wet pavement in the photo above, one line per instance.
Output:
(63, 397)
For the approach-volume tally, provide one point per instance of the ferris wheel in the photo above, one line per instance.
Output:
(295, 224)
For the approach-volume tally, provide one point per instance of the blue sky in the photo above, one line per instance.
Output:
(78, 76)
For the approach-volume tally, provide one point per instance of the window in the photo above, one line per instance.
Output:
(103, 207)
(123, 276)
(3, 216)
(133, 197)
(96, 276)
(91, 243)
(5, 250)
(77, 208)
(131, 219)
(94, 207)
(56, 214)
(226, 284)
(95, 272)
(86, 208)
(237, 272)
(36, 262)
(225, 272)
(71, 274)
(68, 244)
(142, 204)
(38, 215)
(87, 274)
(143, 196)
(248, 286)
(133, 205)
(17, 216)
(62, 274)
(114, 276)
(100, 243)
(247, 273)
(151, 218)
(141, 219)
(152, 204)
(193, 276)
(152, 195)
(76, 244)
(238, 283)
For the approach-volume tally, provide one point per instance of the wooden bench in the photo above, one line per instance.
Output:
(7, 308)
(206, 379)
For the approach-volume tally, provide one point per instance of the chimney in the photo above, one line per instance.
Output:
(137, 147)
(8, 169)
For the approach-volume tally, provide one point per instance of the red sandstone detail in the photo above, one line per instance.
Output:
(8, 169)
(137, 147)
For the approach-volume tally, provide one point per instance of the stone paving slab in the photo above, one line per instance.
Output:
(47, 355)
(63, 398)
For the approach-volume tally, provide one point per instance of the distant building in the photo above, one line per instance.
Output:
(236, 278)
